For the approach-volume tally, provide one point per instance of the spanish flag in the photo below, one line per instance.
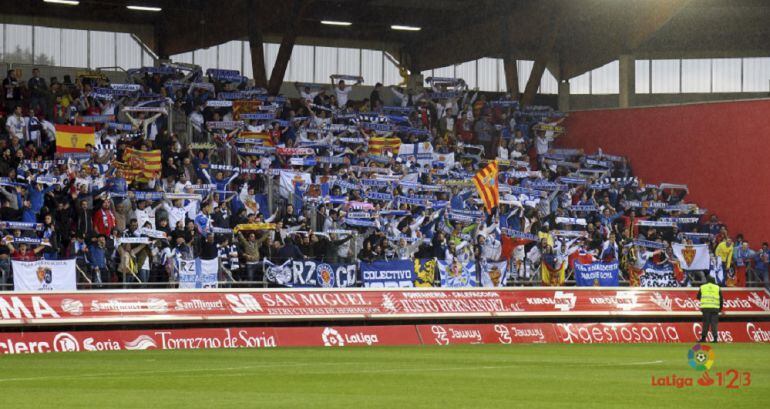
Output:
(487, 186)
(379, 145)
(258, 136)
(73, 139)
(552, 270)
(141, 165)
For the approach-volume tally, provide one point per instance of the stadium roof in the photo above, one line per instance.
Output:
(570, 36)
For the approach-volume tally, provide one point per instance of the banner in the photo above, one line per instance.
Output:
(198, 273)
(658, 275)
(457, 274)
(44, 275)
(73, 139)
(308, 273)
(494, 274)
(692, 256)
(388, 274)
(552, 270)
(597, 274)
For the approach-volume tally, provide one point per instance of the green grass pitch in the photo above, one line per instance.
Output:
(475, 376)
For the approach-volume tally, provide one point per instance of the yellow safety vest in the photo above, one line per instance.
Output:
(709, 296)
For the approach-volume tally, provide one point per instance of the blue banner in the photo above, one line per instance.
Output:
(388, 274)
(659, 275)
(457, 274)
(308, 273)
(197, 273)
(596, 274)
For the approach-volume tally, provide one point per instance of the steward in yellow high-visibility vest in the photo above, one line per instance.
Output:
(710, 305)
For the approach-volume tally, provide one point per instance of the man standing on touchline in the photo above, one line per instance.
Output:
(711, 302)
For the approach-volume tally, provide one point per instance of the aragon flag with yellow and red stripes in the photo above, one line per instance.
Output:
(141, 165)
(487, 186)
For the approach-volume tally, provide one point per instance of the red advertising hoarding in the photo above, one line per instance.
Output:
(341, 336)
(121, 307)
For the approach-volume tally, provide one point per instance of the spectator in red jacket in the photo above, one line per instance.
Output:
(23, 252)
(104, 219)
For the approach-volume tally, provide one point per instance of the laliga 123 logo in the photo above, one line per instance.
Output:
(332, 338)
(701, 357)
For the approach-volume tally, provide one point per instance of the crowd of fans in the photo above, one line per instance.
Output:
(321, 177)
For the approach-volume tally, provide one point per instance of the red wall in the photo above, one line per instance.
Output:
(720, 150)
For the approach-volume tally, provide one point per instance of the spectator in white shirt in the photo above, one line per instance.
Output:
(342, 91)
(16, 125)
(196, 119)
(307, 95)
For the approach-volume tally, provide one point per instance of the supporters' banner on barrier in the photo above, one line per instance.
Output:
(658, 275)
(34, 342)
(457, 274)
(494, 274)
(307, 273)
(73, 139)
(198, 273)
(692, 256)
(399, 273)
(597, 274)
(141, 165)
(95, 307)
(552, 270)
(387, 274)
(44, 275)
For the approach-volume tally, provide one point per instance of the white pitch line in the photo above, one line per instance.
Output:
(440, 369)
(203, 372)
(131, 374)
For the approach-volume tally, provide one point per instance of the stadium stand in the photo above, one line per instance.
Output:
(138, 179)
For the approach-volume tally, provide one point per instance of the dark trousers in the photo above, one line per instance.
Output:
(710, 320)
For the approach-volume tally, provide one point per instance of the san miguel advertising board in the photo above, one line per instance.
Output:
(362, 304)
